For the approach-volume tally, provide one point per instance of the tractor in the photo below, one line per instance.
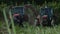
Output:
(20, 14)
(46, 16)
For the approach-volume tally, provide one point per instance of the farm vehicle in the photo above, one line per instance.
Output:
(20, 14)
(47, 16)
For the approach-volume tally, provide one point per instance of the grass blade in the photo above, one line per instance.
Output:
(6, 21)
(14, 31)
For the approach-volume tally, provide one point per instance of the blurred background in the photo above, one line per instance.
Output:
(55, 4)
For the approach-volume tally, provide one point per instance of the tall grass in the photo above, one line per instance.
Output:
(30, 29)
(0, 23)
(38, 30)
(6, 21)
(12, 22)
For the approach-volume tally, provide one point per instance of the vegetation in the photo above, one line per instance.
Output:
(28, 29)
(38, 30)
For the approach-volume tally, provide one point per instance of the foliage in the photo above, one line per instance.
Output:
(35, 30)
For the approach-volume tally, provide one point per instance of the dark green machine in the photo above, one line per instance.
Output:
(46, 14)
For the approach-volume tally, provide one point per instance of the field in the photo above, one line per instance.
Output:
(38, 30)
(27, 29)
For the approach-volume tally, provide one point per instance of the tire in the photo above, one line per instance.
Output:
(44, 23)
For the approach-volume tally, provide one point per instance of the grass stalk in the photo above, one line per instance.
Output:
(14, 31)
(6, 21)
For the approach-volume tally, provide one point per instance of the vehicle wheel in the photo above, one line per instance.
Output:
(44, 23)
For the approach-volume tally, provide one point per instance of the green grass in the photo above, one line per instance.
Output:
(38, 30)
(0, 23)
(28, 29)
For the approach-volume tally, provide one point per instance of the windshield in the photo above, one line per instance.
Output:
(45, 11)
(19, 10)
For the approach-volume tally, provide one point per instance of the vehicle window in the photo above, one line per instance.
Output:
(46, 11)
(42, 11)
(18, 10)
